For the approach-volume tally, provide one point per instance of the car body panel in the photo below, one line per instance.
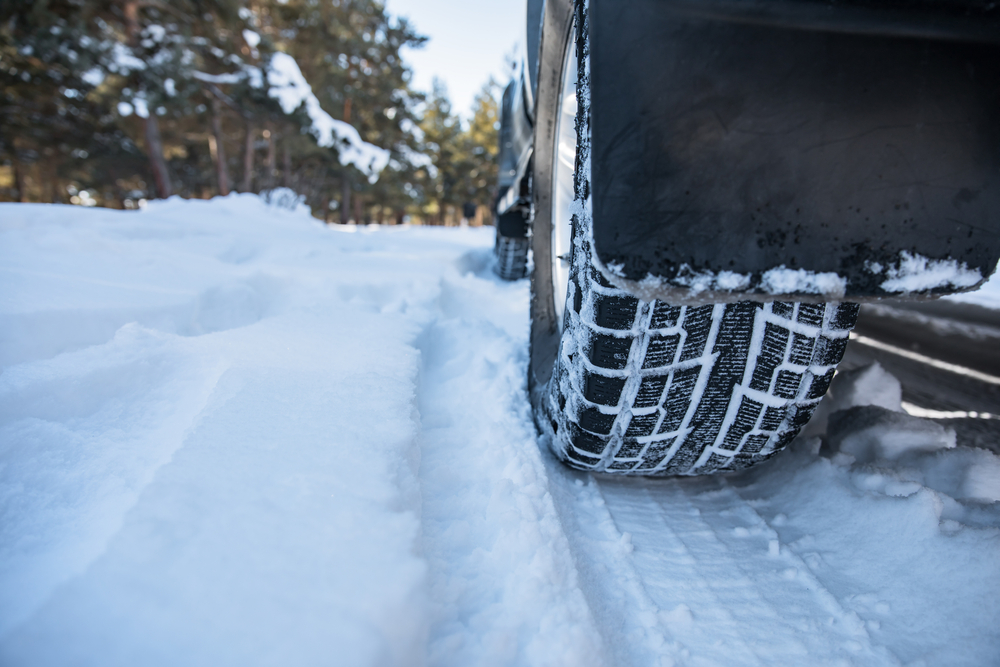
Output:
(851, 141)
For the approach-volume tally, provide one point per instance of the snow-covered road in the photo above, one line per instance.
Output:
(232, 436)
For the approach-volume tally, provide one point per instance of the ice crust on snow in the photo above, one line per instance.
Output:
(231, 435)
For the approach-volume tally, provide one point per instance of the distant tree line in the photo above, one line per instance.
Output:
(110, 102)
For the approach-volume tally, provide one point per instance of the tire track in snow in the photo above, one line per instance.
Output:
(626, 615)
(501, 578)
(738, 597)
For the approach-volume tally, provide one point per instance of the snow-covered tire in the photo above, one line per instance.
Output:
(632, 387)
(511, 257)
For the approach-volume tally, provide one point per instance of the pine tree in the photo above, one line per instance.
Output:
(350, 52)
(442, 142)
(52, 113)
(481, 145)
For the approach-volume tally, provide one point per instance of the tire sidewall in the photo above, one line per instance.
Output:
(556, 35)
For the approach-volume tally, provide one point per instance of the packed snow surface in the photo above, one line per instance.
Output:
(230, 435)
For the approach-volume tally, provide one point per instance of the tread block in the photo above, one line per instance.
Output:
(812, 313)
(595, 421)
(661, 351)
(629, 449)
(784, 438)
(665, 316)
(755, 443)
(686, 456)
(773, 418)
(679, 398)
(802, 349)
(651, 391)
(746, 419)
(698, 324)
(820, 384)
(615, 312)
(782, 309)
(609, 351)
(641, 425)
(583, 459)
(845, 317)
(603, 390)
(800, 417)
(771, 354)
(787, 384)
(656, 453)
(621, 465)
(587, 442)
(829, 351)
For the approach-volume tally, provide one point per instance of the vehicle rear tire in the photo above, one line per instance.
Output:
(511, 257)
(511, 245)
(632, 387)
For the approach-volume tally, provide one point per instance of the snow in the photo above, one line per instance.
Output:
(251, 38)
(779, 280)
(916, 273)
(290, 88)
(987, 295)
(868, 433)
(232, 435)
(782, 280)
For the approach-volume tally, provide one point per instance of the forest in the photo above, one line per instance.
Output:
(116, 102)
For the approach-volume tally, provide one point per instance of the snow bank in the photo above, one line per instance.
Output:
(213, 417)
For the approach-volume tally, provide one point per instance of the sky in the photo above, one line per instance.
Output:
(468, 42)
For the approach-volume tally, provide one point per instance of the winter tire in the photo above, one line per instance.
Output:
(511, 257)
(632, 387)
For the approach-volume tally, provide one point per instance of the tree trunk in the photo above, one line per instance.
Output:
(151, 127)
(325, 207)
(219, 152)
(52, 178)
(21, 182)
(248, 160)
(271, 158)
(358, 213)
(154, 149)
(345, 199)
(286, 159)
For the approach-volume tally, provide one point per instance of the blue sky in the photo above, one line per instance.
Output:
(468, 42)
